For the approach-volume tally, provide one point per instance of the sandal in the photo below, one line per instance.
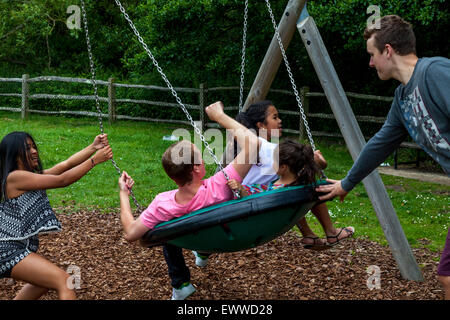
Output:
(350, 231)
(316, 245)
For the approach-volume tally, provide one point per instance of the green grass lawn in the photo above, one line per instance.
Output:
(423, 208)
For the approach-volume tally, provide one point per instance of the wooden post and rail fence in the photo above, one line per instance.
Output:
(201, 91)
(26, 95)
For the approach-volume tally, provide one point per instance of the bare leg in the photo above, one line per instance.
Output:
(309, 237)
(321, 212)
(30, 292)
(445, 281)
(41, 273)
(306, 231)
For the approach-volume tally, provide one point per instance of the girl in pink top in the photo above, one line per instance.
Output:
(211, 191)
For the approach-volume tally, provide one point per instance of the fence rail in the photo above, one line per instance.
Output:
(112, 101)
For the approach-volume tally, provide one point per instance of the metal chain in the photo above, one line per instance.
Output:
(244, 41)
(172, 90)
(294, 87)
(92, 68)
(291, 77)
(97, 100)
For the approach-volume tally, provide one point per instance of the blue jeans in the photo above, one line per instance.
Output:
(178, 271)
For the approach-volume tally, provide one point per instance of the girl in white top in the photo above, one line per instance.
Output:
(263, 118)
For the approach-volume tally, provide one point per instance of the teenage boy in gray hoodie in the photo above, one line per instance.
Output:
(421, 108)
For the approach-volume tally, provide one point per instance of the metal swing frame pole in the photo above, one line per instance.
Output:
(270, 63)
(273, 57)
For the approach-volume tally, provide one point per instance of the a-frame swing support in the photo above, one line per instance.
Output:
(343, 113)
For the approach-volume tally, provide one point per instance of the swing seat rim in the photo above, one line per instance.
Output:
(229, 211)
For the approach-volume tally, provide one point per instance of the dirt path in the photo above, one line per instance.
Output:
(110, 268)
(412, 173)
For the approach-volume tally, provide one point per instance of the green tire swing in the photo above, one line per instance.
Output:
(238, 224)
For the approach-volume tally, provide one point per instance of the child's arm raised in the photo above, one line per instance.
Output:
(21, 180)
(247, 140)
(133, 229)
(320, 160)
(100, 142)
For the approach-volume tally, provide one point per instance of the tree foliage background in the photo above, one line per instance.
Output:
(199, 41)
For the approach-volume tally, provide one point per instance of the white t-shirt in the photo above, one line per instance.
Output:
(262, 173)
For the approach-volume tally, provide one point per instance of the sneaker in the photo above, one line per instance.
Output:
(200, 260)
(183, 292)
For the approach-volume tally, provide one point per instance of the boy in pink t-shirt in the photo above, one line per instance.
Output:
(183, 163)
(164, 206)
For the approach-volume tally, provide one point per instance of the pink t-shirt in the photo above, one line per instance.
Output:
(213, 190)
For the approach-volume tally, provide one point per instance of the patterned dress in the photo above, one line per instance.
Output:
(257, 188)
(21, 220)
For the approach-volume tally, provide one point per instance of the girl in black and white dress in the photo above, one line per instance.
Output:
(25, 210)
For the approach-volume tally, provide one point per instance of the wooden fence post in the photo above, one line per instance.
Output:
(202, 105)
(25, 96)
(305, 103)
(111, 101)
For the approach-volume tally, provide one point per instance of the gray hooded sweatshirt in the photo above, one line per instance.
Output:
(421, 108)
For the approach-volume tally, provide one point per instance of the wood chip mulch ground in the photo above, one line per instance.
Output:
(110, 268)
